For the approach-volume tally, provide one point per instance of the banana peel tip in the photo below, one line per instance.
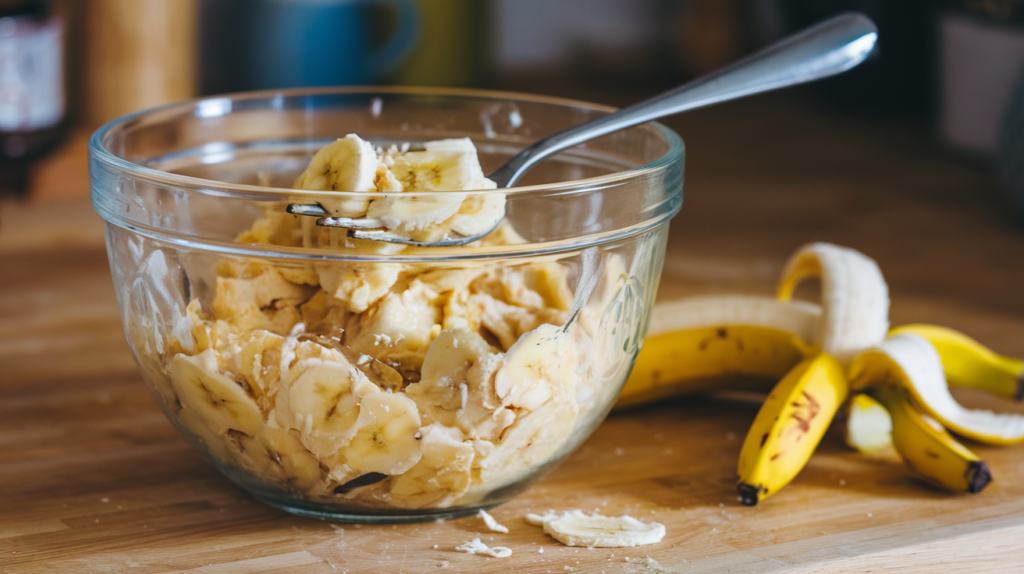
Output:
(750, 494)
(978, 476)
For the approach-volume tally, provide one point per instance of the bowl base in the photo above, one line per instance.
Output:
(375, 518)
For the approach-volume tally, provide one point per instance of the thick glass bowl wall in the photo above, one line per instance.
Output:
(177, 186)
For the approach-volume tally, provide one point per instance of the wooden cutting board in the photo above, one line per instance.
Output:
(94, 479)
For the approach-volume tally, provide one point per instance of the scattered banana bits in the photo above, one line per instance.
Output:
(475, 546)
(812, 360)
(576, 528)
(491, 522)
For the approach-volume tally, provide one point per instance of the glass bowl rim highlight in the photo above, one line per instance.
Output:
(99, 152)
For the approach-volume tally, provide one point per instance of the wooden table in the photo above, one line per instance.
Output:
(94, 479)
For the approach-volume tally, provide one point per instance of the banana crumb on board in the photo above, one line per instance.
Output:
(491, 522)
(646, 565)
(475, 546)
(575, 528)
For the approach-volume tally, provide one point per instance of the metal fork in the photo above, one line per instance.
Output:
(825, 49)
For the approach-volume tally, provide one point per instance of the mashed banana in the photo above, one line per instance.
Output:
(390, 384)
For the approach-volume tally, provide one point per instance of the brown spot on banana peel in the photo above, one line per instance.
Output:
(721, 333)
(803, 425)
(978, 476)
(1019, 394)
(931, 454)
(750, 494)
(812, 408)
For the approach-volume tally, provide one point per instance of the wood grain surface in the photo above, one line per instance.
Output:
(94, 479)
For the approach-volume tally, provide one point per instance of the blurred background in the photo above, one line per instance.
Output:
(952, 67)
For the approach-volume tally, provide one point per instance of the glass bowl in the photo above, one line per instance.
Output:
(364, 381)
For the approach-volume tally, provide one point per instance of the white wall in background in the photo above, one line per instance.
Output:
(981, 64)
(544, 33)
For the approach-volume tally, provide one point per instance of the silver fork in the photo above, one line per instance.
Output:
(825, 49)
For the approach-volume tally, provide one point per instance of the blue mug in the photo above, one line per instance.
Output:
(294, 43)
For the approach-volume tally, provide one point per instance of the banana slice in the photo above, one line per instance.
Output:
(322, 404)
(254, 358)
(855, 298)
(210, 405)
(258, 297)
(444, 165)
(574, 528)
(279, 458)
(348, 164)
(539, 376)
(912, 362)
(415, 213)
(356, 287)
(211, 399)
(539, 366)
(399, 328)
(456, 386)
(387, 439)
(441, 476)
(479, 213)
(868, 424)
(536, 438)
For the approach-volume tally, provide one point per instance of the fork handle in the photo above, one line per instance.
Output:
(825, 49)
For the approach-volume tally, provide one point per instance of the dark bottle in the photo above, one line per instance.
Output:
(32, 106)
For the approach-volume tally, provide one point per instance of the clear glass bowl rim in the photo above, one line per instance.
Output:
(99, 152)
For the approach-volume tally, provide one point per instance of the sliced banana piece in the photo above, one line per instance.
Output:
(539, 366)
(442, 475)
(415, 212)
(479, 213)
(388, 436)
(854, 297)
(399, 328)
(210, 398)
(537, 437)
(911, 361)
(279, 458)
(575, 528)
(322, 404)
(446, 166)
(258, 297)
(355, 287)
(348, 164)
(456, 386)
